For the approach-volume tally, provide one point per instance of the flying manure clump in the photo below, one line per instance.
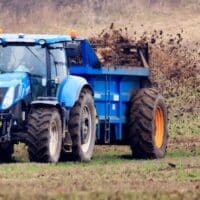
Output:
(174, 62)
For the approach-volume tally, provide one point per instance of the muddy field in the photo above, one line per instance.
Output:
(112, 174)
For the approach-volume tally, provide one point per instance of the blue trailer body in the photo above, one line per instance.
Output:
(113, 87)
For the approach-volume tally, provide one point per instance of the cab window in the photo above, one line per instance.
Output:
(58, 62)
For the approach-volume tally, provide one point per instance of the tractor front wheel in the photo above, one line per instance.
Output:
(148, 121)
(44, 135)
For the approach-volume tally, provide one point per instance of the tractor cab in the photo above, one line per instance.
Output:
(42, 59)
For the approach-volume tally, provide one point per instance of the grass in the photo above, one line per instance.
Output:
(184, 115)
(183, 153)
(110, 175)
(185, 126)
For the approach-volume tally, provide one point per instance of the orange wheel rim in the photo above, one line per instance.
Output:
(159, 127)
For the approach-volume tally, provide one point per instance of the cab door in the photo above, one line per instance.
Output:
(58, 63)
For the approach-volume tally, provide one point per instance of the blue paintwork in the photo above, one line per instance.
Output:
(128, 71)
(89, 56)
(34, 38)
(69, 90)
(113, 88)
(20, 79)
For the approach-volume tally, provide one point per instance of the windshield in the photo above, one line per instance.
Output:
(31, 59)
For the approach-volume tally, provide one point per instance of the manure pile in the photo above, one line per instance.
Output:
(115, 48)
(174, 62)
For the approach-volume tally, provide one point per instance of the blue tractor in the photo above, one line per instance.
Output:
(58, 99)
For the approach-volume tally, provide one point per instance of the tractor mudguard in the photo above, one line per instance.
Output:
(69, 90)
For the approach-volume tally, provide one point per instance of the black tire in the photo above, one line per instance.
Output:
(148, 124)
(6, 151)
(82, 127)
(44, 135)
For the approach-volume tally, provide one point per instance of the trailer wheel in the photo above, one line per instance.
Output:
(148, 122)
(44, 135)
(82, 127)
(6, 151)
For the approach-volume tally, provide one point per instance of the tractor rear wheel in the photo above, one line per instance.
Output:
(82, 127)
(6, 151)
(44, 135)
(148, 122)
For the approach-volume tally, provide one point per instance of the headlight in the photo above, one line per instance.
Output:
(8, 99)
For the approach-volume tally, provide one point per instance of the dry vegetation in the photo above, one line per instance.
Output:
(89, 16)
(175, 67)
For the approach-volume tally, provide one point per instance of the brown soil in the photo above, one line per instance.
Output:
(187, 143)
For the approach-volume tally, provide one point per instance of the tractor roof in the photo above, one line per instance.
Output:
(34, 38)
